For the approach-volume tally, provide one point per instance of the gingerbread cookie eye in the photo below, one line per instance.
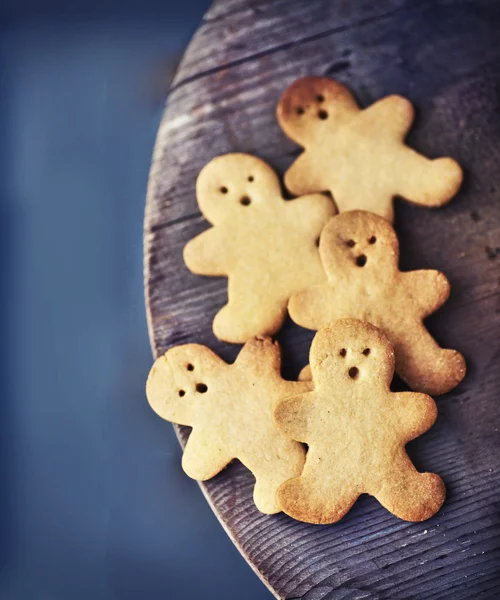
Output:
(366, 352)
(350, 243)
(245, 201)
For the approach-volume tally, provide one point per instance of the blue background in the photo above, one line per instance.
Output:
(93, 502)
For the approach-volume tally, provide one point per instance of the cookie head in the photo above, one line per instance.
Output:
(231, 186)
(360, 243)
(351, 353)
(177, 382)
(312, 106)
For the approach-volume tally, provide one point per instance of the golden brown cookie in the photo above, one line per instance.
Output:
(264, 244)
(229, 408)
(360, 253)
(359, 155)
(356, 430)
(305, 374)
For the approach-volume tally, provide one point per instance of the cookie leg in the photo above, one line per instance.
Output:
(272, 467)
(306, 499)
(408, 494)
(355, 193)
(248, 315)
(427, 182)
(424, 365)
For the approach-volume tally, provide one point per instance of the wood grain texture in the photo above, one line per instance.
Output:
(445, 57)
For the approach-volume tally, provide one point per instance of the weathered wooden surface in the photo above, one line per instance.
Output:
(445, 57)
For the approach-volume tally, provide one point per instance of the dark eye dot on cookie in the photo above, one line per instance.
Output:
(250, 178)
(366, 351)
(350, 243)
(372, 240)
(245, 201)
(343, 352)
(181, 393)
(201, 388)
(322, 114)
(353, 372)
(223, 190)
(300, 110)
(361, 260)
(320, 98)
(190, 367)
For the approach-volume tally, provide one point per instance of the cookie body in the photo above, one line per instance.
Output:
(264, 244)
(229, 408)
(360, 254)
(356, 430)
(359, 155)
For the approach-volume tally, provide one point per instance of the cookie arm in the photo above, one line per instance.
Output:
(204, 456)
(260, 354)
(430, 289)
(303, 176)
(390, 117)
(313, 308)
(293, 415)
(424, 181)
(206, 253)
(415, 413)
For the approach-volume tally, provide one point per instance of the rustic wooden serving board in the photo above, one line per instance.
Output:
(445, 57)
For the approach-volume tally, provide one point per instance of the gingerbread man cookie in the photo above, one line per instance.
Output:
(360, 253)
(356, 430)
(359, 155)
(264, 244)
(229, 408)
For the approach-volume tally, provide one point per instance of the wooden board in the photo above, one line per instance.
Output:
(445, 57)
